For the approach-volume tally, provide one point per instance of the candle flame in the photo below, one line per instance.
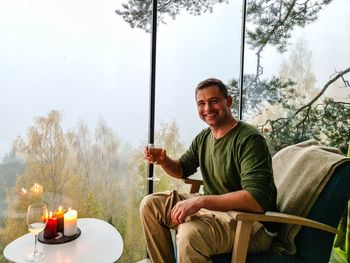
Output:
(24, 191)
(50, 214)
(60, 209)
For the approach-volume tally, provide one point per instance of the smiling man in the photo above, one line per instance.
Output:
(237, 175)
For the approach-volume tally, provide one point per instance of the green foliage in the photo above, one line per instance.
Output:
(2, 258)
(269, 21)
(131, 229)
(290, 111)
(168, 135)
(138, 13)
(327, 122)
(10, 167)
(272, 21)
(256, 93)
(75, 168)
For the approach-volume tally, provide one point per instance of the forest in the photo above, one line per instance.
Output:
(103, 177)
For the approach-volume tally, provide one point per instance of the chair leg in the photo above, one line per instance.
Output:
(240, 245)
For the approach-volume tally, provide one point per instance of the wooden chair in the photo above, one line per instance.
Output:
(313, 243)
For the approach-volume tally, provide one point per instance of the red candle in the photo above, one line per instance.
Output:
(60, 219)
(50, 230)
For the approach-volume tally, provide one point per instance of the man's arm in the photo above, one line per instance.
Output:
(170, 166)
(239, 200)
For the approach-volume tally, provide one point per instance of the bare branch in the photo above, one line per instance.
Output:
(339, 75)
(346, 82)
(164, 5)
(308, 105)
(279, 23)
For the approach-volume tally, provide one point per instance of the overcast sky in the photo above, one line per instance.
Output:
(79, 57)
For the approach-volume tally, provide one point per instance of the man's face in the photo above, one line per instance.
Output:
(212, 107)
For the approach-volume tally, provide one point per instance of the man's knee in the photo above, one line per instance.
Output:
(158, 201)
(145, 205)
(155, 204)
(189, 237)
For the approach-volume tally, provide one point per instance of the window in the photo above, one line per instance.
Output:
(74, 82)
(74, 85)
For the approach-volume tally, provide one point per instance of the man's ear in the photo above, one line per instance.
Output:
(229, 101)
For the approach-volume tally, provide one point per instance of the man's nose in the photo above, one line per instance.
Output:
(207, 107)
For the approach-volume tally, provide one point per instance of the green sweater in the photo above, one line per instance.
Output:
(239, 160)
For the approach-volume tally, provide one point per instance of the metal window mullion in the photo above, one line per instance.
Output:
(150, 168)
(241, 73)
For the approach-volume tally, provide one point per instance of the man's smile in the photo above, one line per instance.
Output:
(212, 114)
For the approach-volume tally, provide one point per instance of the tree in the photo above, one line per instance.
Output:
(325, 120)
(298, 73)
(52, 174)
(107, 186)
(269, 22)
(46, 155)
(47, 166)
(138, 13)
(168, 135)
(299, 69)
(257, 94)
(285, 120)
(10, 167)
(77, 168)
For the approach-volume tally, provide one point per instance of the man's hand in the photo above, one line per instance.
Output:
(150, 158)
(185, 208)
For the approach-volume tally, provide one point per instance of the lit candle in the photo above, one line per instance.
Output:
(50, 230)
(60, 219)
(70, 223)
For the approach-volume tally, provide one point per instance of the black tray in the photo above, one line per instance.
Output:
(58, 239)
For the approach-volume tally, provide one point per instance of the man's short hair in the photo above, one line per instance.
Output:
(213, 82)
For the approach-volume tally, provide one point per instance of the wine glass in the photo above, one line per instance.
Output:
(153, 154)
(36, 221)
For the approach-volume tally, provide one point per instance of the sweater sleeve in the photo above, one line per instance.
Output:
(189, 160)
(256, 170)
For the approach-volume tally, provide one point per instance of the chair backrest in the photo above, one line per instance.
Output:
(314, 245)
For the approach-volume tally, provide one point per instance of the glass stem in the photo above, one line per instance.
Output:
(35, 246)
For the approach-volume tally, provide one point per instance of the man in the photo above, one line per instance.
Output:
(237, 175)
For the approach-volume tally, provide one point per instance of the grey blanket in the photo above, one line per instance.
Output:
(301, 171)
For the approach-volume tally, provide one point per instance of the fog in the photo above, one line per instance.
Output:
(82, 59)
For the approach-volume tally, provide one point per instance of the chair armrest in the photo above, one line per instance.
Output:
(281, 218)
(195, 184)
(245, 223)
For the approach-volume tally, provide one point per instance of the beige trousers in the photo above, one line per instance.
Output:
(205, 234)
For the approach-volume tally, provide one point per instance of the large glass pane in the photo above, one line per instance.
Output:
(73, 113)
(297, 81)
(191, 49)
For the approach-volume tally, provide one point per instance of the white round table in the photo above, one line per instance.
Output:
(98, 242)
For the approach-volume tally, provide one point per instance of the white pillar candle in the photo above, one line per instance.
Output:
(70, 223)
